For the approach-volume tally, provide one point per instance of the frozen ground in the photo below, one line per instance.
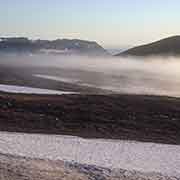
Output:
(29, 90)
(144, 157)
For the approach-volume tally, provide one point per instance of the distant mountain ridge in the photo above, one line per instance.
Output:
(22, 44)
(164, 47)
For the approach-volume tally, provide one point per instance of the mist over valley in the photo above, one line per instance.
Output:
(134, 75)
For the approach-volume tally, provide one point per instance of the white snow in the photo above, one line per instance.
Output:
(48, 51)
(130, 155)
(68, 80)
(29, 90)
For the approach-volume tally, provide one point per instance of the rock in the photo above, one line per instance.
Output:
(21, 168)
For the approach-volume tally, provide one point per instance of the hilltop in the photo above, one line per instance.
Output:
(165, 47)
(58, 46)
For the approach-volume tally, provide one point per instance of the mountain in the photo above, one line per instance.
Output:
(164, 47)
(114, 51)
(59, 46)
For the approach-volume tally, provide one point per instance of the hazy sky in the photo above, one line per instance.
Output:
(110, 22)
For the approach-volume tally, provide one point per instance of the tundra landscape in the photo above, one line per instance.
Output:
(89, 90)
(118, 99)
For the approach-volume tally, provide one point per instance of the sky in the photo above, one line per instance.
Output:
(112, 23)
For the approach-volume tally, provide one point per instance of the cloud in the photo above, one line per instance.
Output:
(155, 75)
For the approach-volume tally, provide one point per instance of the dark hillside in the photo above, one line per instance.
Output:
(165, 47)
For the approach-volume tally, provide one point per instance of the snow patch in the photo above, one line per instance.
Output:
(29, 90)
(68, 80)
(130, 155)
(56, 51)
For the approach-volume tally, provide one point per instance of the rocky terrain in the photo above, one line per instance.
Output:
(91, 113)
(129, 117)
(58, 46)
(21, 168)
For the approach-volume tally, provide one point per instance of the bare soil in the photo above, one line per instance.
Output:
(127, 117)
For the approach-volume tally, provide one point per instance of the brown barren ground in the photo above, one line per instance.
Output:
(128, 117)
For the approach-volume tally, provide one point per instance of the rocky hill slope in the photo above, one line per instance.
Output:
(58, 46)
(165, 47)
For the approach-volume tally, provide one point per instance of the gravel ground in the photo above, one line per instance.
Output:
(126, 117)
(20, 168)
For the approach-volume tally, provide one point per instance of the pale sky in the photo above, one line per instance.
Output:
(112, 23)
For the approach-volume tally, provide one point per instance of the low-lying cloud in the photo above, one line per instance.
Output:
(155, 75)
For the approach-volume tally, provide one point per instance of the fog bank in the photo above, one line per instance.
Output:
(155, 75)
